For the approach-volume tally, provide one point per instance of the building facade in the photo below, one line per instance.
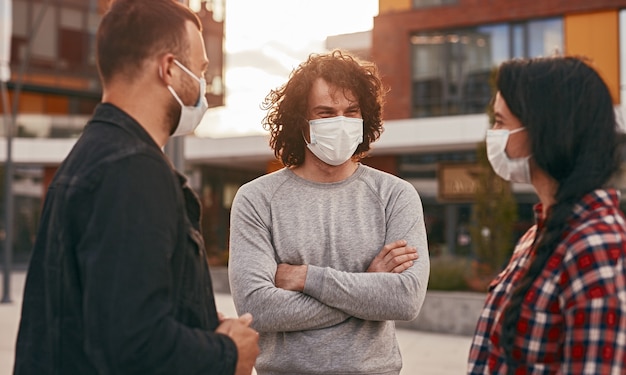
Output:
(54, 88)
(436, 56)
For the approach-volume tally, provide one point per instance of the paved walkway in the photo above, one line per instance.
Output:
(423, 353)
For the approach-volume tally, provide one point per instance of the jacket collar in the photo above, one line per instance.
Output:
(113, 115)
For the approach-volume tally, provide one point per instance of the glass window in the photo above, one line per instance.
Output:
(43, 51)
(545, 38)
(66, 38)
(451, 69)
(430, 3)
(20, 18)
(518, 41)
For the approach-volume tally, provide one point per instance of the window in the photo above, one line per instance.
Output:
(65, 38)
(72, 48)
(451, 69)
(430, 3)
(545, 38)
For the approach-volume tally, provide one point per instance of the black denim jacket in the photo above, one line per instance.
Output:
(118, 282)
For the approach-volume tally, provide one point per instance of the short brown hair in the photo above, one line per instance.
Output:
(133, 30)
(287, 106)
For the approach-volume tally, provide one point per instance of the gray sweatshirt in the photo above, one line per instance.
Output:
(343, 321)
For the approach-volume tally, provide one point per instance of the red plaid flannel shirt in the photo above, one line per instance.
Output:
(573, 318)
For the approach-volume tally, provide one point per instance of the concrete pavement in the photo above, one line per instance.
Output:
(423, 353)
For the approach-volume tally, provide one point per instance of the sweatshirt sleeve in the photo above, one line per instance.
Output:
(252, 267)
(381, 296)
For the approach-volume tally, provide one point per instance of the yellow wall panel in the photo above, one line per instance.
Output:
(386, 6)
(595, 35)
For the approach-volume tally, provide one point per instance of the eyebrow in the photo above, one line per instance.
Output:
(322, 108)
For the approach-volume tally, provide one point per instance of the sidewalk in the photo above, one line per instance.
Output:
(423, 353)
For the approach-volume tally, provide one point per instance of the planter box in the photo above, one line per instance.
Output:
(219, 278)
(448, 312)
(443, 312)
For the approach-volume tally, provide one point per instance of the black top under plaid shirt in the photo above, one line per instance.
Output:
(573, 318)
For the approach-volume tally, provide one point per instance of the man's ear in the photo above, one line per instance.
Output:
(165, 68)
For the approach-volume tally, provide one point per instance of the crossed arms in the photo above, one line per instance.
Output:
(295, 297)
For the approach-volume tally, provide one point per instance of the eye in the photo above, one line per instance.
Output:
(325, 114)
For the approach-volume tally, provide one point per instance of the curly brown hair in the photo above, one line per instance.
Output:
(286, 119)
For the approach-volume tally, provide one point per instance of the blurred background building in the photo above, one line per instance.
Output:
(436, 56)
(55, 80)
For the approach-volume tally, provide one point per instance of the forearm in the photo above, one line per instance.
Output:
(371, 296)
(252, 268)
(381, 295)
(275, 309)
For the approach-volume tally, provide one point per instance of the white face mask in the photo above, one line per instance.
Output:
(334, 139)
(514, 170)
(190, 116)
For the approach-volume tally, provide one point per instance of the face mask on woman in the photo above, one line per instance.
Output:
(334, 139)
(514, 170)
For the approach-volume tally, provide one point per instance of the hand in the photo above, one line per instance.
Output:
(290, 277)
(394, 257)
(246, 339)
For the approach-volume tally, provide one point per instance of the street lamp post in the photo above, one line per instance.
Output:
(6, 25)
(6, 28)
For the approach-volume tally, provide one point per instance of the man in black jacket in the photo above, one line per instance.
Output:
(118, 282)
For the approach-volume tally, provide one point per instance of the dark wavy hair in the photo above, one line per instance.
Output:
(568, 112)
(287, 106)
(132, 31)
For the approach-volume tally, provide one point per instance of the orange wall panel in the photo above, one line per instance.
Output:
(32, 103)
(386, 6)
(595, 35)
(273, 165)
(57, 105)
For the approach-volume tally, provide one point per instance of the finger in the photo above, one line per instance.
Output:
(402, 267)
(246, 319)
(392, 246)
(398, 260)
(220, 317)
(403, 253)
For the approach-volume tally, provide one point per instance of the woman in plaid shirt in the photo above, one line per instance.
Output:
(559, 307)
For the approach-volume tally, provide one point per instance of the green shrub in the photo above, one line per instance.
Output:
(449, 273)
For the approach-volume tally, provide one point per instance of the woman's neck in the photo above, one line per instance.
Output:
(545, 187)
